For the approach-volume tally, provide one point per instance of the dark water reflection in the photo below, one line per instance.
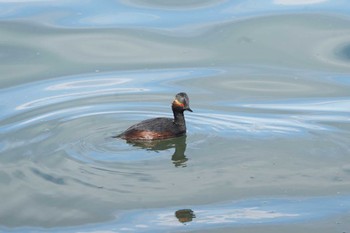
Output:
(344, 52)
(179, 158)
(185, 215)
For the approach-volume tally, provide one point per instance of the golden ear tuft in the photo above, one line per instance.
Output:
(178, 103)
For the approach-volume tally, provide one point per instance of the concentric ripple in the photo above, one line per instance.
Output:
(78, 116)
(60, 136)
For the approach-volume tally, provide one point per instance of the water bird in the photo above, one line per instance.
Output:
(161, 127)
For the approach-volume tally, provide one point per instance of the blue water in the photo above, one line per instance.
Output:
(256, 212)
(267, 147)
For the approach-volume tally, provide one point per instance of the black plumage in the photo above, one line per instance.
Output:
(161, 127)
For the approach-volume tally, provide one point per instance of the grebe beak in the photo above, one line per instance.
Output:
(188, 109)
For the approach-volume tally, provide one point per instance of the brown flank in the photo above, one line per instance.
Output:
(146, 135)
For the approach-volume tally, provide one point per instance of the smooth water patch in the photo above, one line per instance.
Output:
(156, 14)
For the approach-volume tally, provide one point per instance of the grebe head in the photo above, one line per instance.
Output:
(181, 102)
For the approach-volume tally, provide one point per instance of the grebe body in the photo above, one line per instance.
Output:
(161, 127)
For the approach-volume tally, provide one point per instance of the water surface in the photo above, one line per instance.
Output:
(267, 147)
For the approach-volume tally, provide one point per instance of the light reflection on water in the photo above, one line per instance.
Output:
(271, 114)
(84, 86)
(151, 14)
(257, 212)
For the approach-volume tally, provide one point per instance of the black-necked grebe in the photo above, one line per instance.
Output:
(161, 127)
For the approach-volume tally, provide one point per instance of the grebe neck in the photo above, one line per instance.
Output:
(179, 118)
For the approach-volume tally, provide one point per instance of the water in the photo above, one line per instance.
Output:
(267, 147)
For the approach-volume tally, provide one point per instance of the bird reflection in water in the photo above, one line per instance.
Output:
(179, 158)
(185, 215)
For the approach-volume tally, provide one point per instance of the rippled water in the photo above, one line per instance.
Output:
(267, 147)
